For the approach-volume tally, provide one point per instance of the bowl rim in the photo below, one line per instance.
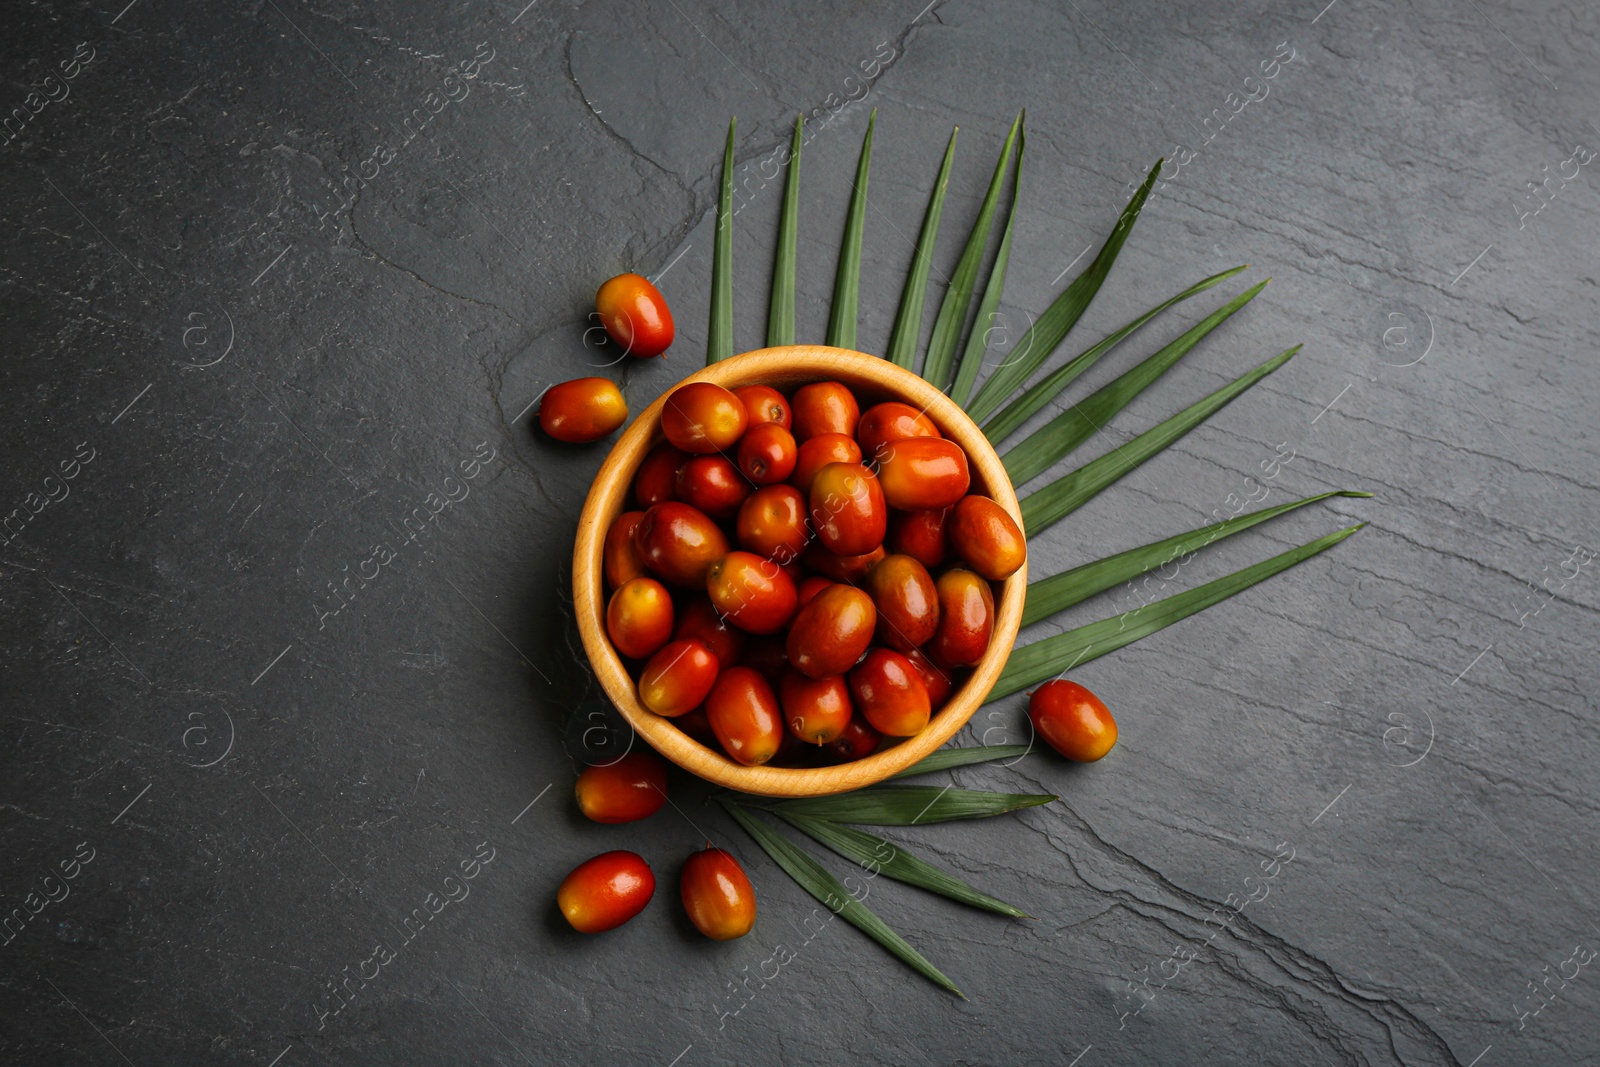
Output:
(787, 366)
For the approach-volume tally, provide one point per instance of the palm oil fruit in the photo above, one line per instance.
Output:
(632, 788)
(824, 407)
(831, 632)
(622, 561)
(763, 403)
(582, 410)
(891, 421)
(679, 543)
(701, 418)
(817, 452)
(908, 606)
(705, 624)
(678, 677)
(920, 535)
(639, 617)
(847, 509)
(858, 741)
(713, 485)
(604, 892)
(919, 473)
(656, 480)
(745, 715)
(986, 538)
(1072, 720)
(717, 894)
(635, 315)
(767, 454)
(889, 693)
(816, 709)
(966, 619)
(772, 522)
(753, 593)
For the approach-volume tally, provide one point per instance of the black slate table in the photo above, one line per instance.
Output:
(282, 281)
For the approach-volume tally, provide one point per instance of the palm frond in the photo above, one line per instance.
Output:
(902, 350)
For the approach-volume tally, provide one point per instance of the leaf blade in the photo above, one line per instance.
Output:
(719, 335)
(978, 339)
(1063, 313)
(1047, 506)
(1036, 397)
(945, 758)
(910, 805)
(868, 852)
(958, 294)
(780, 312)
(902, 351)
(1056, 439)
(1043, 659)
(1061, 591)
(845, 310)
(815, 879)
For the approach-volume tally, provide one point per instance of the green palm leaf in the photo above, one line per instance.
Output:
(908, 321)
(1061, 591)
(1056, 655)
(958, 296)
(878, 856)
(1043, 336)
(1067, 494)
(815, 879)
(1037, 396)
(978, 339)
(1040, 450)
(946, 758)
(719, 337)
(847, 279)
(780, 315)
(909, 805)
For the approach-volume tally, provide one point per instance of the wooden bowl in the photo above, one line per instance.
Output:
(787, 367)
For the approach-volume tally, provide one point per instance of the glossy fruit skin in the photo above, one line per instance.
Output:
(891, 421)
(889, 693)
(702, 622)
(702, 418)
(679, 544)
(921, 535)
(817, 452)
(830, 633)
(639, 617)
(921, 473)
(632, 788)
(966, 619)
(678, 677)
(745, 715)
(816, 709)
(656, 480)
(717, 895)
(622, 560)
(810, 586)
(986, 538)
(851, 569)
(824, 407)
(938, 681)
(713, 485)
(603, 893)
(848, 511)
(772, 523)
(858, 741)
(767, 454)
(582, 410)
(752, 592)
(762, 404)
(1072, 720)
(635, 315)
(908, 605)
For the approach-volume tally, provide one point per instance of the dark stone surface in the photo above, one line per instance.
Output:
(270, 378)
